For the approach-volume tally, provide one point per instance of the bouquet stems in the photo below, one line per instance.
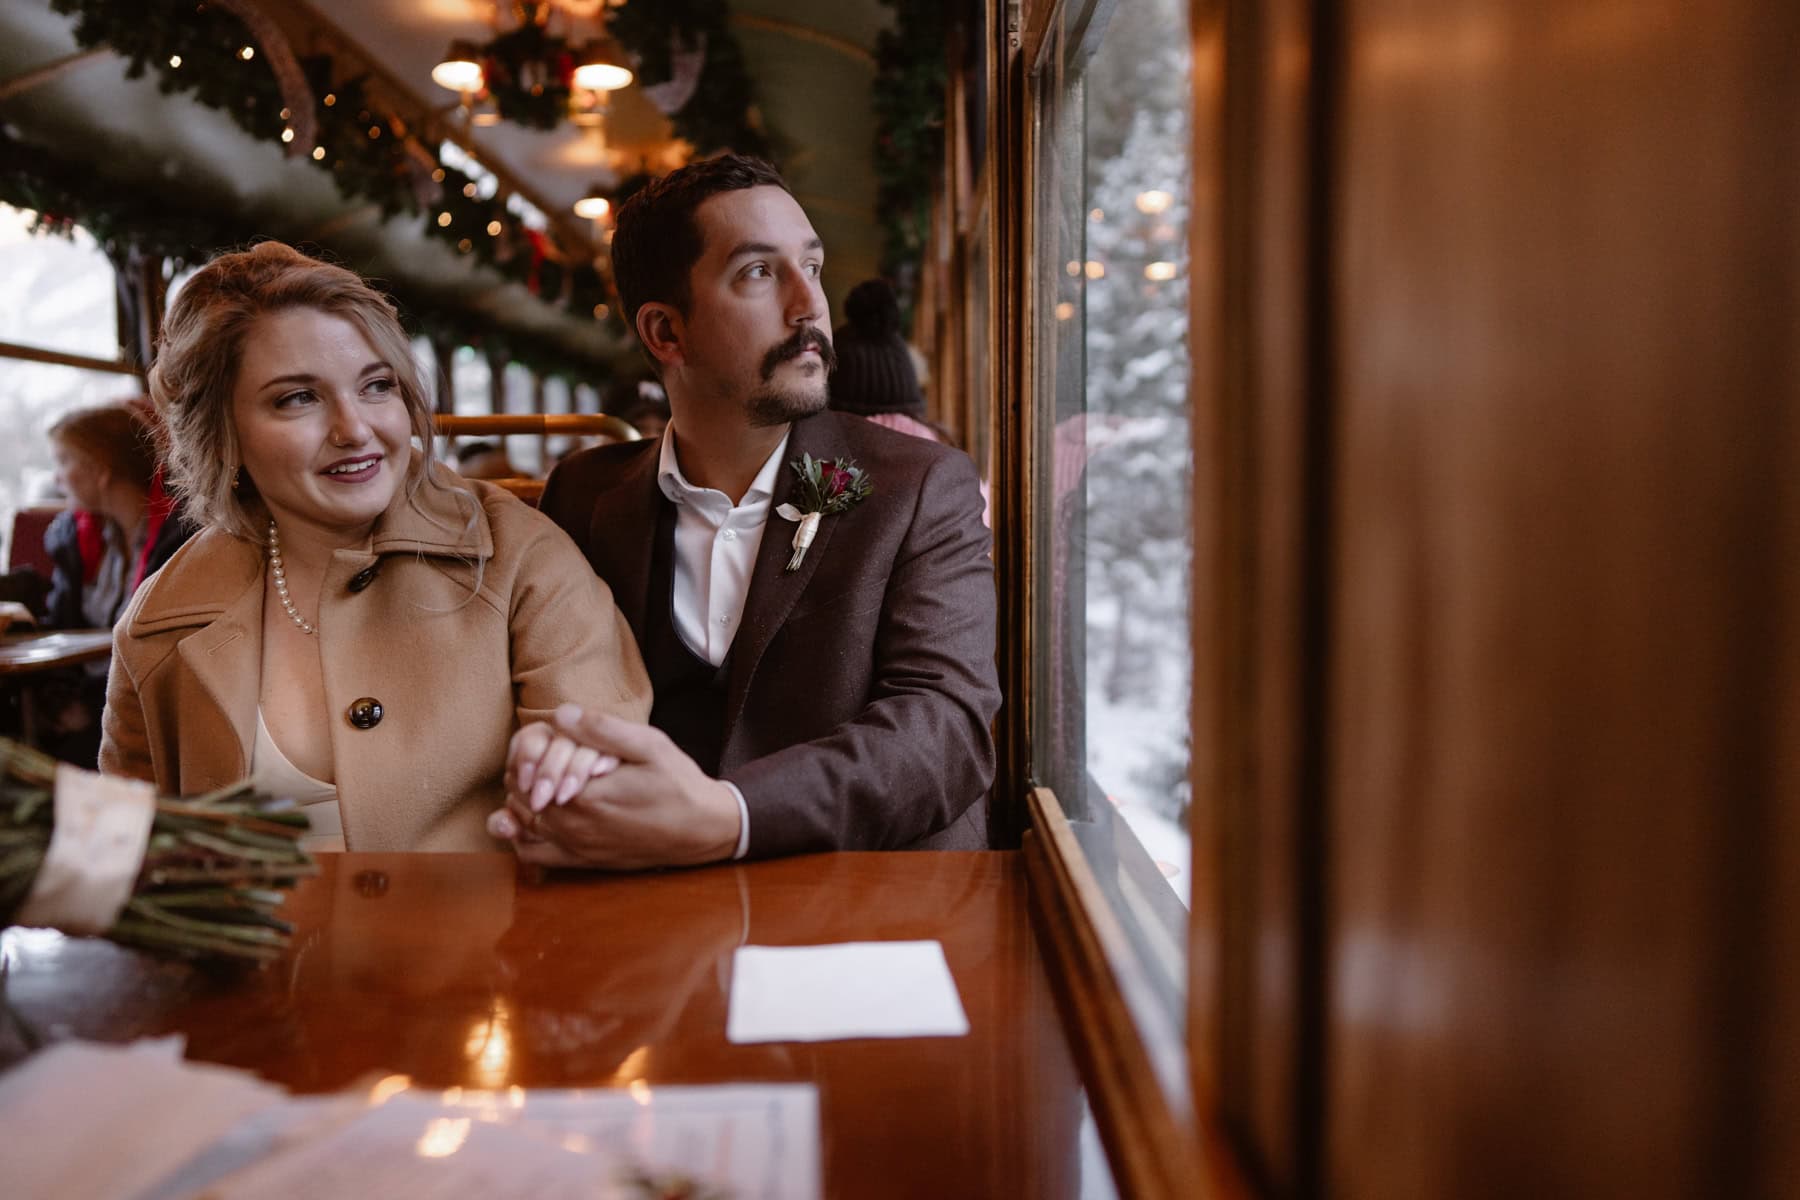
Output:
(214, 871)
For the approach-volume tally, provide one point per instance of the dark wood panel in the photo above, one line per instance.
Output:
(456, 971)
(1563, 615)
(1259, 554)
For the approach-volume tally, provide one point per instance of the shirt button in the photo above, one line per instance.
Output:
(364, 713)
(724, 620)
(363, 578)
(729, 535)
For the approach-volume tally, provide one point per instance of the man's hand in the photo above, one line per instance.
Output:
(655, 808)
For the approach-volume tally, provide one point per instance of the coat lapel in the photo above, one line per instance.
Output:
(224, 657)
(621, 536)
(774, 589)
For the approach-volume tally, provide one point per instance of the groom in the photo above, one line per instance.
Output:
(825, 695)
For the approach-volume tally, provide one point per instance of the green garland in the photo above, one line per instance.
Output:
(366, 150)
(119, 215)
(721, 114)
(908, 99)
(505, 62)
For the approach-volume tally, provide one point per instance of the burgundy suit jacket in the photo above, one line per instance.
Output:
(861, 688)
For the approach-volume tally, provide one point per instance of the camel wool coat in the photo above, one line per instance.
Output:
(454, 673)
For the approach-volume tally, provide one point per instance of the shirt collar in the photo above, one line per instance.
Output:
(676, 487)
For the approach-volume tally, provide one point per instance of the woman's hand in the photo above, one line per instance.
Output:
(544, 767)
(652, 807)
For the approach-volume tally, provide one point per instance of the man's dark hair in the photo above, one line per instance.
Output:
(656, 240)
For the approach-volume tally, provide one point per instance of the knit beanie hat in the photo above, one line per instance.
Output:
(874, 370)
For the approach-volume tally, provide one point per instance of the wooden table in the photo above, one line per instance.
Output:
(29, 653)
(23, 655)
(465, 970)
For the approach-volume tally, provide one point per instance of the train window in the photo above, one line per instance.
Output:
(471, 383)
(60, 297)
(60, 291)
(519, 396)
(1111, 726)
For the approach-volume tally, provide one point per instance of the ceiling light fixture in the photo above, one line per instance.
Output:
(602, 67)
(460, 71)
(594, 206)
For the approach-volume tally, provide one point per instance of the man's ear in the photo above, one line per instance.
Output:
(659, 327)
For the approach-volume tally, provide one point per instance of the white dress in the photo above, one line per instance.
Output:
(272, 774)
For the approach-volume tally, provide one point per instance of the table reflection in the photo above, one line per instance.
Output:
(468, 972)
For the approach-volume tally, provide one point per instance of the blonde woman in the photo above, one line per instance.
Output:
(354, 625)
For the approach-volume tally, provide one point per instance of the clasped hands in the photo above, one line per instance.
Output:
(595, 790)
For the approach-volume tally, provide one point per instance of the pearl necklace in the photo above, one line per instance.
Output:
(281, 591)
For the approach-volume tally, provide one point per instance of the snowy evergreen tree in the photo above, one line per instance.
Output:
(1139, 469)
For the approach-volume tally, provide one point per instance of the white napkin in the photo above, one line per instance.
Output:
(852, 990)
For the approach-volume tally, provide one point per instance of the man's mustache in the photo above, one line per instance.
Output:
(797, 345)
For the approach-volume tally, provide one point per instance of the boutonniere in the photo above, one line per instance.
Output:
(826, 489)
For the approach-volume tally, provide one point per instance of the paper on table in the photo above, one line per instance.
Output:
(851, 990)
(90, 1120)
(756, 1142)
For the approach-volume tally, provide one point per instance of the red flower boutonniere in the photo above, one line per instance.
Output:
(826, 489)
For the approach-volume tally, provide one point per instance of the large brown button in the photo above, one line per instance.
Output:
(364, 713)
(364, 577)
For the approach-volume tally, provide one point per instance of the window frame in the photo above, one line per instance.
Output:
(1130, 1034)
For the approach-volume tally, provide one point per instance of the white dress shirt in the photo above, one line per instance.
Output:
(715, 553)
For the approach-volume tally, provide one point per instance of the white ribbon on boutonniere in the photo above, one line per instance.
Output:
(825, 489)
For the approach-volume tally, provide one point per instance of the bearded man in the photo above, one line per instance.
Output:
(812, 593)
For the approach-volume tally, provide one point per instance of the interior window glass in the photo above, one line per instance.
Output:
(1115, 459)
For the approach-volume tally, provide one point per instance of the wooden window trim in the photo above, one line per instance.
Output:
(1135, 1073)
(61, 359)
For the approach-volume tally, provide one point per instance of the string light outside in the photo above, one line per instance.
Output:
(1154, 201)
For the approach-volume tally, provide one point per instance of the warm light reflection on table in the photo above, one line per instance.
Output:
(454, 973)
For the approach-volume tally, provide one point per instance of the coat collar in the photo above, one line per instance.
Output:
(209, 576)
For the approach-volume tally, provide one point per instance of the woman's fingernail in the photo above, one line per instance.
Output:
(526, 772)
(540, 795)
(565, 791)
(604, 765)
(501, 825)
(568, 714)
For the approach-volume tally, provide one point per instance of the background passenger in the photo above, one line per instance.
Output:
(875, 377)
(119, 528)
(484, 460)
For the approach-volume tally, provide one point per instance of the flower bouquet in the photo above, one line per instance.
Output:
(199, 877)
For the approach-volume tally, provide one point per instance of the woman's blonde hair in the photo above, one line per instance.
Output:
(115, 436)
(202, 344)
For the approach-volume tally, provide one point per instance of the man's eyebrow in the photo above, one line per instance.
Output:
(765, 248)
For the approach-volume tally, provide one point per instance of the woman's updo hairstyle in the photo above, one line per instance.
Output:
(202, 343)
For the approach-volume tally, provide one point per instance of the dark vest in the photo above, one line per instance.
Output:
(690, 692)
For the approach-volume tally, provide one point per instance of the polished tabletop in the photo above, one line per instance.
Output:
(469, 971)
(24, 653)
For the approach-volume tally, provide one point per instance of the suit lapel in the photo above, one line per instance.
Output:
(622, 535)
(773, 588)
